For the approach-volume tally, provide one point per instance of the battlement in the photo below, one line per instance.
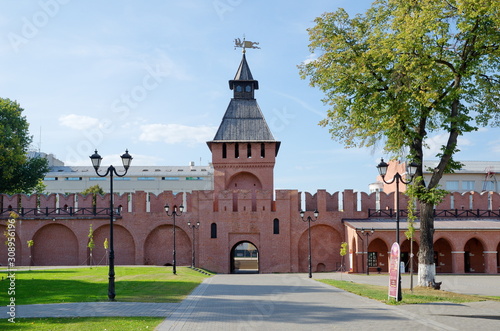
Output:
(348, 202)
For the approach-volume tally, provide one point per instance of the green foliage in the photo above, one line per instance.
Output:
(106, 244)
(18, 172)
(30, 243)
(96, 189)
(91, 243)
(432, 196)
(410, 233)
(40, 188)
(343, 248)
(406, 69)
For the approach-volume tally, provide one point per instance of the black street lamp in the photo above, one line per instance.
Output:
(193, 227)
(410, 170)
(309, 219)
(174, 213)
(367, 233)
(96, 163)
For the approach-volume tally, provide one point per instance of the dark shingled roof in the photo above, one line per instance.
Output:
(243, 121)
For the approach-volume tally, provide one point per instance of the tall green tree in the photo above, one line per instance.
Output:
(402, 71)
(18, 172)
(96, 189)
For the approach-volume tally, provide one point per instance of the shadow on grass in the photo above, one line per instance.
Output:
(83, 323)
(43, 291)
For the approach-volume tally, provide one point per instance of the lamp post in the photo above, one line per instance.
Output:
(96, 163)
(193, 227)
(309, 219)
(367, 234)
(174, 213)
(411, 169)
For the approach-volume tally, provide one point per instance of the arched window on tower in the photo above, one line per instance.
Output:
(224, 150)
(276, 226)
(236, 150)
(213, 230)
(249, 150)
(262, 150)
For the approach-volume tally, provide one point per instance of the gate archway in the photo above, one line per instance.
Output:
(244, 258)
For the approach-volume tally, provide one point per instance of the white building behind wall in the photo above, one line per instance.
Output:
(152, 179)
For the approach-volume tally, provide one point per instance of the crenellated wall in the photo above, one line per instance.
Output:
(348, 201)
(59, 225)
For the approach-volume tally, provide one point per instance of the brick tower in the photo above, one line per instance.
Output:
(243, 150)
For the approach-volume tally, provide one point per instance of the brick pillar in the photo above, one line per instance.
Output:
(490, 261)
(457, 258)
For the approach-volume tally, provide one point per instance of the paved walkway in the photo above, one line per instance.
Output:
(286, 302)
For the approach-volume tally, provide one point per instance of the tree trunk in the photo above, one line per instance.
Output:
(426, 267)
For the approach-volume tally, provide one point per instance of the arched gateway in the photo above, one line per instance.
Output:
(244, 258)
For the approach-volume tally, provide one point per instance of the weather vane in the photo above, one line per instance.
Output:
(245, 44)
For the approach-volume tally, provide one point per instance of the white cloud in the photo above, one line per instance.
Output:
(78, 122)
(310, 58)
(435, 143)
(176, 133)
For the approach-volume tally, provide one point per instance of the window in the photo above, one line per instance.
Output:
(468, 185)
(194, 178)
(236, 150)
(50, 178)
(372, 259)
(248, 88)
(213, 230)
(146, 178)
(97, 178)
(276, 226)
(224, 150)
(452, 185)
(73, 178)
(239, 88)
(249, 150)
(262, 150)
(121, 178)
(170, 178)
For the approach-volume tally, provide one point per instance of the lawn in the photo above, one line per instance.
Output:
(419, 294)
(83, 324)
(132, 284)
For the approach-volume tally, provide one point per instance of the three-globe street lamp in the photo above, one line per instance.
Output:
(309, 219)
(367, 233)
(174, 213)
(411, 169)
(96, 163)
(193, 227)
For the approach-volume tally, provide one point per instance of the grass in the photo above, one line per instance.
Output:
(419, 295)
(83, 324)
(132, 284)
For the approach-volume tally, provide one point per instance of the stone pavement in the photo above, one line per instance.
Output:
(294, 302)
(287, 302)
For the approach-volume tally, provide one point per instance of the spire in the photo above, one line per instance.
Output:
(244, 75)
(243, 120)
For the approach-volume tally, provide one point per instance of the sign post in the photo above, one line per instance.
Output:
(394, 273)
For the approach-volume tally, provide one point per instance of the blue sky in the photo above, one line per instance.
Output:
(152, 76)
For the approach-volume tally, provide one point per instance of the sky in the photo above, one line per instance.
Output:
(152, 77)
